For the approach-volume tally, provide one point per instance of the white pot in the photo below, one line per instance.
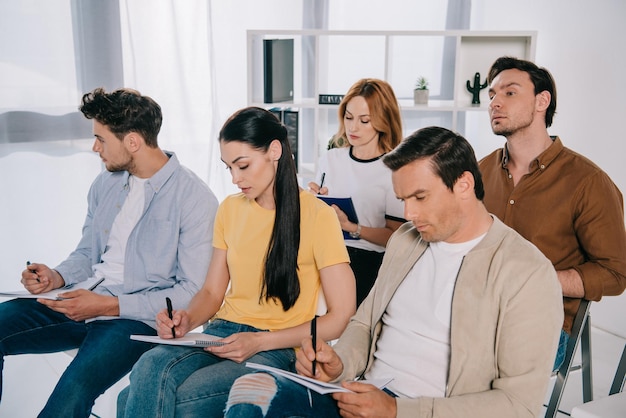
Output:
(420, 96)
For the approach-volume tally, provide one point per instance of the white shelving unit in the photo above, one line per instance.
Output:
(330, 61)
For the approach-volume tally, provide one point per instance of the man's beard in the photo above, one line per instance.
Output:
(129, 166)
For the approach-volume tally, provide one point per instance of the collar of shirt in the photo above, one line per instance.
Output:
(543, 160)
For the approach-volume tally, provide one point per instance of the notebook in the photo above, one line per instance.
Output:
(346, 205)
(191, 339)
(314, 384)
(88, 284)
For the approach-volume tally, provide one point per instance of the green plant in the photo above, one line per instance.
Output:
(421, 83)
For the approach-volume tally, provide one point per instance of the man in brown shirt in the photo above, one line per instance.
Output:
(557, 199)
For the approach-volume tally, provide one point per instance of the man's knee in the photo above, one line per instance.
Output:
(255, 389)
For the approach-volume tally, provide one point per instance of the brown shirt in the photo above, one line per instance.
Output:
(571, 210)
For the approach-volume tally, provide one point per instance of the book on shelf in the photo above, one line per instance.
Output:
(330, 98)
(191, 339)
(314, 384)
(88, 284)
(277, 70)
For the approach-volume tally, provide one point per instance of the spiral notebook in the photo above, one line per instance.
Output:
(191, 339)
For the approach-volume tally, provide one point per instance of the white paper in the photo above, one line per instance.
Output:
(314, 384)
(88, 284)
(191, 339)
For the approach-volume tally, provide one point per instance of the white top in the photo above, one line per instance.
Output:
(414, 346)
(368, 183)
(112, 265)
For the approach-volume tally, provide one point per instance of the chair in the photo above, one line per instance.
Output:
(581, 332)
(620, 375)
(613, 405)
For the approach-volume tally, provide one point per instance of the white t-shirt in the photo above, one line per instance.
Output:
(112, 265)
(414, 346)
(368, 183)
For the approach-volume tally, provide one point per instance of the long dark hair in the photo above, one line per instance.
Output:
(258, 128)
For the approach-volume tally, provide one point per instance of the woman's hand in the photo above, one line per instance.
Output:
(315, 188)
(345, 223)
(239, 347)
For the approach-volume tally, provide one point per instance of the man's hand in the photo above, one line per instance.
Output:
(81, 304)
(180, 322)
(368, 401)
(39, 278)
(329, 365)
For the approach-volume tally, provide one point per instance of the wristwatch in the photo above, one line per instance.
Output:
(356, 234)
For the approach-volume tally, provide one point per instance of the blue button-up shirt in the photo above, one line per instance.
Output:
(168, 251)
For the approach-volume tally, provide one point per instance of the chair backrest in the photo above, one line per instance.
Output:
(580, 333)
(620, 375)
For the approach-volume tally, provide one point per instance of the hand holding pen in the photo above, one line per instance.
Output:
(168, 302)
(33, 271)
(38, 278)
(318, 360)
(319, 189)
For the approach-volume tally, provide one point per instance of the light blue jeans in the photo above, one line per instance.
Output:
(170, 381)
(264, 395)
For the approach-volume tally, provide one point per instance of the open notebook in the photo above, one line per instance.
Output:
(314, 384)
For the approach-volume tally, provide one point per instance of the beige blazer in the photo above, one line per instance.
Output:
(507, 313)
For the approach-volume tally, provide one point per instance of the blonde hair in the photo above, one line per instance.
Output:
(384, 113)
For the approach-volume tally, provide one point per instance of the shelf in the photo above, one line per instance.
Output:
(330, 61)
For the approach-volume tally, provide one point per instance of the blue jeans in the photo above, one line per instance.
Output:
(560, 352)
(186, 382)
(105, 355)
(289, 399)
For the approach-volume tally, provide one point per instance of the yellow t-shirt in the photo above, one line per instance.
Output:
(243, 229)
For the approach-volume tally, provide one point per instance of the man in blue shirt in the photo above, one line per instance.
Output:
(148, 234)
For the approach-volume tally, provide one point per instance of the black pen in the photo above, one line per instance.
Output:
(168, 301)
(32, 271)
(322, 182)
(314, 338)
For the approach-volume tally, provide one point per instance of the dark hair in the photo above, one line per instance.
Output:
(539, 76)
(451, 155)
(384, 112)
(124, 111)
(258, 128)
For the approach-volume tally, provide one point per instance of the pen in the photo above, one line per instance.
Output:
(314, 338)
(32, 271)
(168, 301)
(322, 182)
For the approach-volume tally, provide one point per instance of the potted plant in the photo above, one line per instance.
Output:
(420, 92)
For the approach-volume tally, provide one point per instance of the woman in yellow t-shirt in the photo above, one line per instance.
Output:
(275, 249)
